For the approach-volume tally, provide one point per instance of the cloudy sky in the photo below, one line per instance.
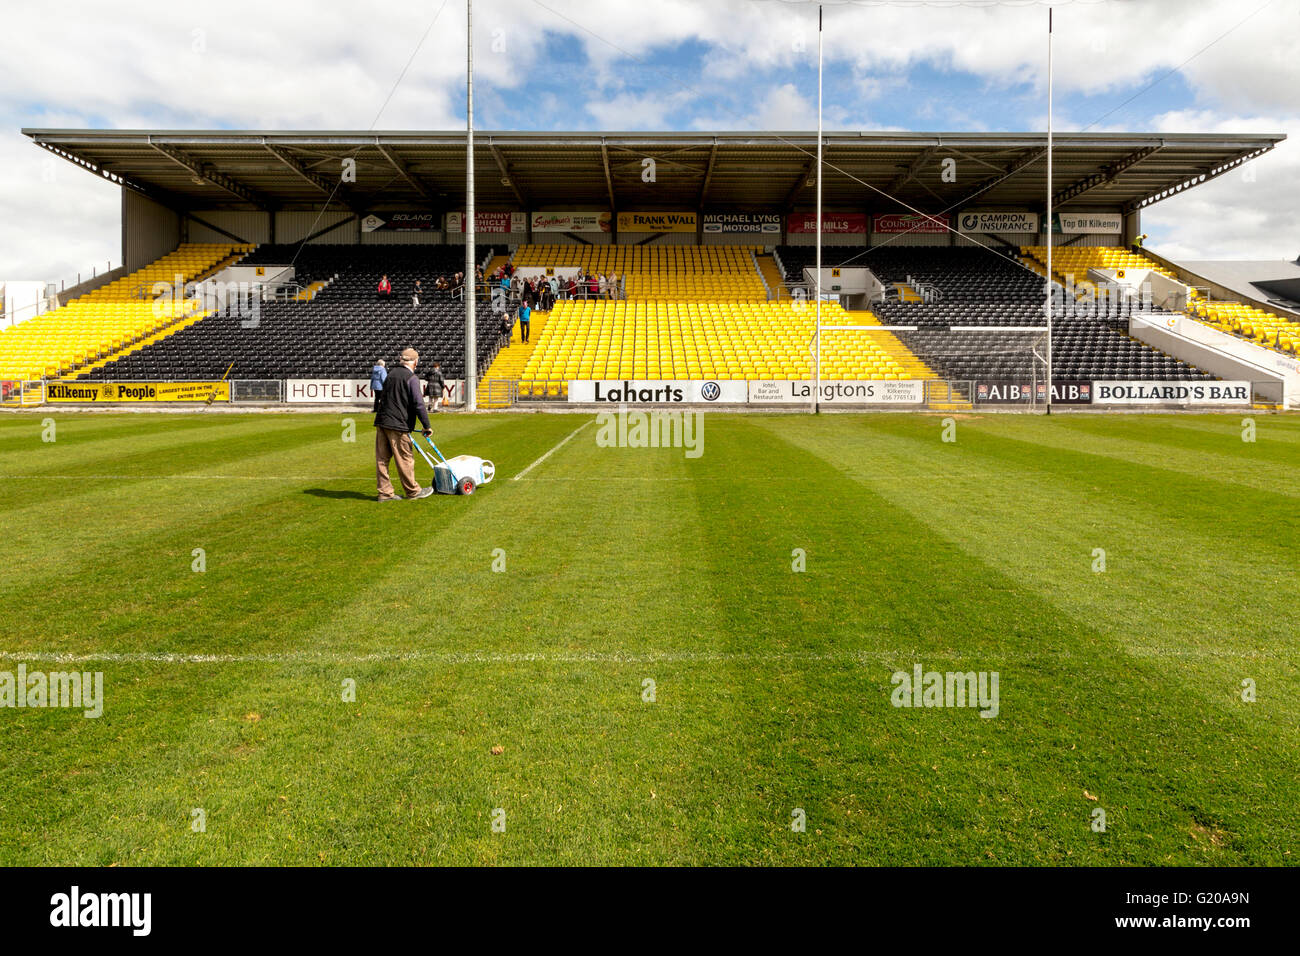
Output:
(1140, 65)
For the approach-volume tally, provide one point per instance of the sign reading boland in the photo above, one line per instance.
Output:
(769, 224)
(138, 392)
(1171, 393)
(894, 223)
(836, 222)
(401, 222)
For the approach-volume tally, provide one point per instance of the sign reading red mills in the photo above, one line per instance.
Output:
(839, 222)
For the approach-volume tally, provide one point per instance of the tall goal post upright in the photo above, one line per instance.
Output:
(1047, 284)
(470, 286)
(817, 279)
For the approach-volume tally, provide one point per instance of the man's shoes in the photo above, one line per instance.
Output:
(422, 493)
(390, 498)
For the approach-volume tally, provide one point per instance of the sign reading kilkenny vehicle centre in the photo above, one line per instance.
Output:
(657, 392)
(1007, 221)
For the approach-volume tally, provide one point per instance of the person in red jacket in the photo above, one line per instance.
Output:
(385, 288)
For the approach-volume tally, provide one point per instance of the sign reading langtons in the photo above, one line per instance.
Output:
(1171, 393)
(1005, 221)
(656, 392)
(799, 392)
(566, 220)
(138, 392)
(769, 223)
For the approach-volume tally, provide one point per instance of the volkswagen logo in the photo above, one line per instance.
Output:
(710, 391)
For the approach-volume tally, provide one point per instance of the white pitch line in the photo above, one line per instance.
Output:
(186, 477)
(552, 451)
(593, 657)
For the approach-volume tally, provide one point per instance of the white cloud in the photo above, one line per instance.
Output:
(298, 66)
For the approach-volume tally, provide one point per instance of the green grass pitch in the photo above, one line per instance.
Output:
(1119, 690)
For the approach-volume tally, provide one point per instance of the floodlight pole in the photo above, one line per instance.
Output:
(470, 287)
(1048, 284)
(817, 281)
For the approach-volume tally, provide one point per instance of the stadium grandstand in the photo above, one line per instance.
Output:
(935, 282)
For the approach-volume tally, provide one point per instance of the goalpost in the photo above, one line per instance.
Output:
(947, 365)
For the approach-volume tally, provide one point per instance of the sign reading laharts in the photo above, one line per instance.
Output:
(998, 221)
(799, 392)
(769, 223)
(656, 392)
(837, 222)
(1171, 393)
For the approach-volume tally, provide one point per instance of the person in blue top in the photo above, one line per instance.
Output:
(378, 375)
(525, 313)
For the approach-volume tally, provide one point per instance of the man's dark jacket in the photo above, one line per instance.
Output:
(401, 402)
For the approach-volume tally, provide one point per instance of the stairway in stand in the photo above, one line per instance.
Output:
(496, 388)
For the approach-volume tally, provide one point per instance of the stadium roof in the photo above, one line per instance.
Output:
(734, 171)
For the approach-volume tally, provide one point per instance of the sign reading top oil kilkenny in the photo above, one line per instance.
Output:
(769, 223)
(656, 222)
(1171, 393)
(658, 392)
(138, 392)
(1007, 221)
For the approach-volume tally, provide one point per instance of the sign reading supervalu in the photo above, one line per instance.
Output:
(657, 392)
(570, 220)
(137, 391)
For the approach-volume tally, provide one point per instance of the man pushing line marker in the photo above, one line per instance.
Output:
(400, 402)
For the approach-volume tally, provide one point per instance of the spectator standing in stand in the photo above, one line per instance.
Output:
(385, 288)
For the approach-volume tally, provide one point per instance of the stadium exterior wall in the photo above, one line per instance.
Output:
(149, 230)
